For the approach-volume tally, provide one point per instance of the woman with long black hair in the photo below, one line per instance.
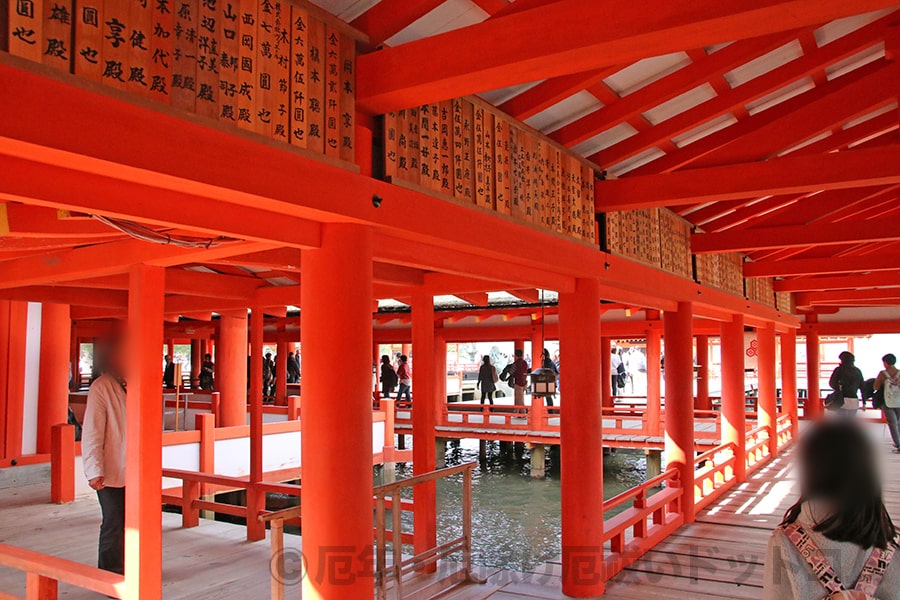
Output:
(838, 536)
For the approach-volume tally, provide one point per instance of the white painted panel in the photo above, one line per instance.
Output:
(782, 95)
(232, 457)
(765, 63)
(564, 112)
(604, 140)
(646, 71)
(450, 15)
(636, 161)
(680, 103)
(185, 457)
(32, 378)
(841, 27)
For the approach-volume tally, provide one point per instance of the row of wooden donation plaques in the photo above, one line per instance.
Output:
(467, 150)
(661, 238)
(281, 68)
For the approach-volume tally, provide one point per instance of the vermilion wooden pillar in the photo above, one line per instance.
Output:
(812, 408)
(654, 379)
(143, 480)
(606, 371)
(231, 368)
(581, 444)
(336, 321)
(256, 501)
(703, 401)
(767, 409)
(520, 345)
(440, 370)
(424, 417)
(196, 360)
(53, 391)
(16, 336)
(537, 344)
(789, 378)
(678, 327)
(281, 372)
(734, 411)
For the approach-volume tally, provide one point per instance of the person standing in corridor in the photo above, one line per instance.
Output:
(103, 454)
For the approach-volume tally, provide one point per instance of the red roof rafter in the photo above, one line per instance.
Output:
(708, 67)
(737, 98)
(571, 36)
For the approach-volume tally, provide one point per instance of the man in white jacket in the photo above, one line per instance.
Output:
(103, 453)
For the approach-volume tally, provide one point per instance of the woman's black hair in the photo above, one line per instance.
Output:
(385, 359)
(486, 360)
(839, 467)
(846, 358)
(889, 359)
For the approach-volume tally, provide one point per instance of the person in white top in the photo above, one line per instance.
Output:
(615, 361)
(888, 381)
(103, 454)
(838, 537)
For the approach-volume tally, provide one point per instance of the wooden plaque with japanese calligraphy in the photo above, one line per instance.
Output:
(162, 47)
(391, 150)
(248, 71)
(347, 101)
(207, 57)
(298, 73)
(424, 162)
(57, 28)
(502, 173)
(183, 89)
(413, 153)
(88, 59)
(26, 28)
(281, 73)
(446, 148)
(265, 101)
(482, 191)
(464, 157)
(434, 154)
(332, 92)
(229, 29)
(140, 27)
(588, 212)
(315, 81)
(116, 43)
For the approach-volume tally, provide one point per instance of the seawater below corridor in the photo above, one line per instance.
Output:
(516, 522)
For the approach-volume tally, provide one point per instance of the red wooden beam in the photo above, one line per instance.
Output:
(389, 17)
(103, 259)
(531, 296)
(81, 296)
(819, 234)
(821, 206)
(819, 284)
(476, 299)
(34, 221)
(687, 78)
(788, 175)
(838, 297)
(737, 98)
(572, 36)
(547, 93)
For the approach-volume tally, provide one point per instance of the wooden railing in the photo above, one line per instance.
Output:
(713, 474)
(757, 445)
(387, 497)
(537, 418)
(650, 519)
(43, 574)
(784, 430)
(276, 540)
